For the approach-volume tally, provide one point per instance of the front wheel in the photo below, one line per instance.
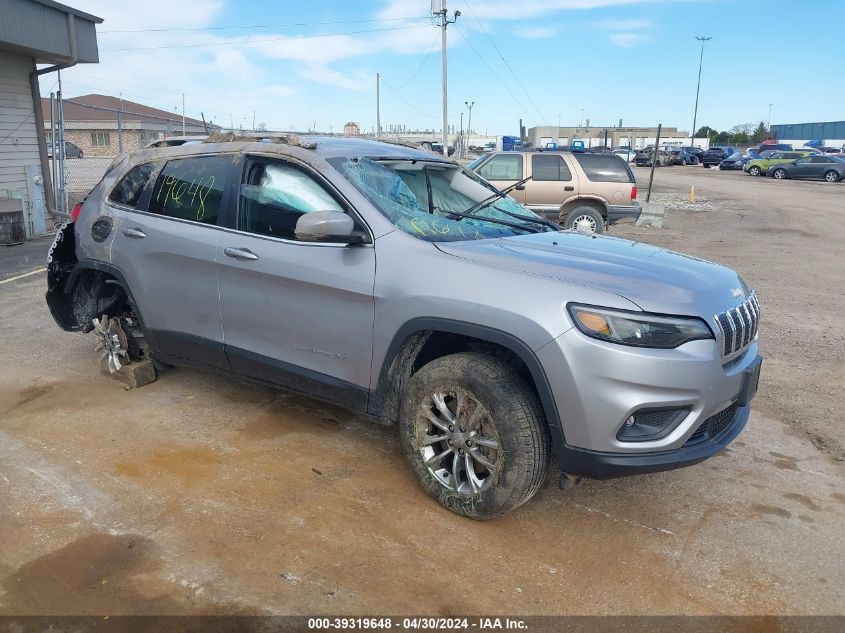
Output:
(780, 174)
(754, 170)
(584, 220)
(474, 434)
(831, 176)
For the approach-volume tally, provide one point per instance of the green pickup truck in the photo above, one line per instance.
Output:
(759, 166)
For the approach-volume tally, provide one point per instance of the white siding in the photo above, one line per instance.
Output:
(18, 138)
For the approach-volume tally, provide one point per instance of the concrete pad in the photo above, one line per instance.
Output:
(652, 215)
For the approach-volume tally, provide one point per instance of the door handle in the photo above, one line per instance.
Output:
(243, 254)
(520, 187)
(569, 188)
(135, 234)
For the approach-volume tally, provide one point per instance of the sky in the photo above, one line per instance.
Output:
(312, 65)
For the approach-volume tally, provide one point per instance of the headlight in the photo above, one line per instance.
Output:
(638, 329)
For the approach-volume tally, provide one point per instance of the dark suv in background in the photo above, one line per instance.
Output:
(716, 155)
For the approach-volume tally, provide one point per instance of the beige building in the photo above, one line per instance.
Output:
(102, 125)
(352, 129)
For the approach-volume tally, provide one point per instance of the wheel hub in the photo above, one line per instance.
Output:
(458, 441)
(111, 341)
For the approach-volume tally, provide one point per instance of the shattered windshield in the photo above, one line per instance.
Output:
(438, 202)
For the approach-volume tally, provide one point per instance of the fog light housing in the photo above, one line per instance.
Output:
(646, 425)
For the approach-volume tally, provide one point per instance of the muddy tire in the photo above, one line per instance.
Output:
(474, 434)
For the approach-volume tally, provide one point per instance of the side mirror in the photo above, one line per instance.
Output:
(327, 226)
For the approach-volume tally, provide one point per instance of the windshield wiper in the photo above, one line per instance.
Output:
(484, 218)
(537, 220)
(500, 193)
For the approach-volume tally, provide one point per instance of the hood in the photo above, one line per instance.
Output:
(655, 279)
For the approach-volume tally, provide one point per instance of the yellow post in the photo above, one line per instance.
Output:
(692, 194)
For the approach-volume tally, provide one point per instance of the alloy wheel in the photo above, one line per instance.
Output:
(458, 441)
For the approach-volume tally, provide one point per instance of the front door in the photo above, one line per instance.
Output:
(166, 248)
(295, 313)
(502, 170)
(552, 184)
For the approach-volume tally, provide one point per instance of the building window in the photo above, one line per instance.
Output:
(100, 139)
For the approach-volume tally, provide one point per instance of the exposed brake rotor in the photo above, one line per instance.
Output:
(111, 341)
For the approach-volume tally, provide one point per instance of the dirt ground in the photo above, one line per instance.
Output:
(199, 494)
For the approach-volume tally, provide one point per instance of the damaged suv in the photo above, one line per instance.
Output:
(402, 286)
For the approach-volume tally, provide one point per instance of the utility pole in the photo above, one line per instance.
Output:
(461, 152)
(120, 126)
(698, 89)
(469, 105)
(378, 106)
(444, 22)
(253, 122)
(183, 114)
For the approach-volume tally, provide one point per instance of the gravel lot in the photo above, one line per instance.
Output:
(199, 494)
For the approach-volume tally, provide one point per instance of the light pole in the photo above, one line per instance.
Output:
(698, 89)
(469, 105)
(769, 126)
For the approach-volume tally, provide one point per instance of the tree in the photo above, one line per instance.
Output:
(704, 132)
(760, 133)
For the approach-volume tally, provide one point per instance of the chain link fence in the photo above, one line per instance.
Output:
(94, 136)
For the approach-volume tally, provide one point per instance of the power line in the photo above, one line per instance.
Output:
(273, 39)
(493, 72)
(263, 26)
(425, 59)
(406, 102)
(502, 56)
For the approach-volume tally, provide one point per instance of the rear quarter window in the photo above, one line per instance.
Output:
(191, 188)
(130, 188)
(603, 168)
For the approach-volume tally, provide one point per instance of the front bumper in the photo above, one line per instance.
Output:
(617, 212)
(598, 385)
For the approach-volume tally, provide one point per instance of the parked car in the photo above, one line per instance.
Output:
(681, 156)
(831, 150)
(581, 191)
(734, 161)
(627, 154)
(695, 151)
(644, 158)
(759, 166)
(71, 150)
(813, 166)
(175, 141)
(716, 155)
(775, 146)
(493, 341)
(810, 150)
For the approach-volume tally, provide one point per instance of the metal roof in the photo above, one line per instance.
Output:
(49, 32)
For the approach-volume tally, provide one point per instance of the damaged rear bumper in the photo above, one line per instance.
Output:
(61, 262)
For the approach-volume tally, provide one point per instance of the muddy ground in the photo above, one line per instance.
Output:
(200, 494)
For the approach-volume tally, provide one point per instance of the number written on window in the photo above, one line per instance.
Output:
(191, 188)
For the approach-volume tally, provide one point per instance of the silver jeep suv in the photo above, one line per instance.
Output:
(401, 286)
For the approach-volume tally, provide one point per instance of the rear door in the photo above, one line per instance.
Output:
(299, 314)
(502, 170)
(552, 184)
(166, 249)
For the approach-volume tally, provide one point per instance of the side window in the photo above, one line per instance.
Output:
(275, 195)
(820, 159)
(191, 188)
(128, 191)
(602, 168)
(549, 167)
(502, 167)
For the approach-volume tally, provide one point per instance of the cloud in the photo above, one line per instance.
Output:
(534, 32)
(623, 25)
(627, 40)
